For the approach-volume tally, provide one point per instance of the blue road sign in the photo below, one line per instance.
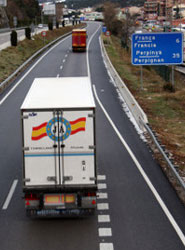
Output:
(104, 29)
(157, 48)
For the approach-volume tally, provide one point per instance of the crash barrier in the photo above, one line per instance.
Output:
(132, 104)
(178, 180)
(142, 121)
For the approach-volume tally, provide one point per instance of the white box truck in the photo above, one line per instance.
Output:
(59, 147)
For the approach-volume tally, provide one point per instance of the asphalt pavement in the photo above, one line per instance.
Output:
(129, 216)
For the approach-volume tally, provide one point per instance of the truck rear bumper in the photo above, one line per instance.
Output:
(60, 204)
(80, 48)
(59, 189)
(34, 213)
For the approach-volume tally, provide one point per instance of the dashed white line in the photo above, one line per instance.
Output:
(10, 194)
(101, 177)
(142, 172)
(106, 246)
(103, 206)
(64, 60)
(58, 75)
(103, 218)
(102, 186)
(61, 67)
(66, 55)
(105, 232)
(102, 196)
(15, 86)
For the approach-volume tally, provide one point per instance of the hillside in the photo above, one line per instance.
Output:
(24, 10)
(76, 4)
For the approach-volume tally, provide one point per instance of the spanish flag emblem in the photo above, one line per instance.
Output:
(78, 125)
(70, 128)
(39, 132)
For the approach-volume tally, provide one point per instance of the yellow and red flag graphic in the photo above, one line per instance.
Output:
(39, 132)
(71, 128)
(78, 125)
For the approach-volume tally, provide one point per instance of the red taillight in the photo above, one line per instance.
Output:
(31, 197)
(27, 203)
(91, 194)
(93, 202)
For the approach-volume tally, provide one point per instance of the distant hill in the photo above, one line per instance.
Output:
(76, 4)
(24, 10)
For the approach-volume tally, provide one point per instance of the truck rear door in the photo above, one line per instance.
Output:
(41, 151)
(59, 148)
(79, 149)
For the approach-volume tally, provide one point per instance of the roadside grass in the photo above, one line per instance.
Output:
(12, 57)
(165, 110)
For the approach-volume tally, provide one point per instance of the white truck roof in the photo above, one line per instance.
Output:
(64, 92)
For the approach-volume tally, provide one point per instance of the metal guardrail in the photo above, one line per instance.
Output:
(4, 30)
(132, 104)
(139, 116)
(3, 84)
(172, 168)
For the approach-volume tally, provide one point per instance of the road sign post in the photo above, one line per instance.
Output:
(157, 49)
(43, 34)
(15, 21)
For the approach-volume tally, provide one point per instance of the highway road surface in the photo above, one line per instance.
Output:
(137, 207)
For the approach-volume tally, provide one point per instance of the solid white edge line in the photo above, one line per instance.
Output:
(22, 78)
(150, 185)
(87, 55)
(10, 194)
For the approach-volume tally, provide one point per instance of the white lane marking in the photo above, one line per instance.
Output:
(103, 206)
(87, 55)
(105, 232)
(142, 172)
(10, 194)
(22, 78)
(61, 67)
(102, 186)
(66, 55)
(106, 246)
(101, 177)
(64, 60)
(58, 75)
(102, 196)
(103, 218)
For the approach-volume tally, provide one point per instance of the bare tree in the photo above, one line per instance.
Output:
(109, 14)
